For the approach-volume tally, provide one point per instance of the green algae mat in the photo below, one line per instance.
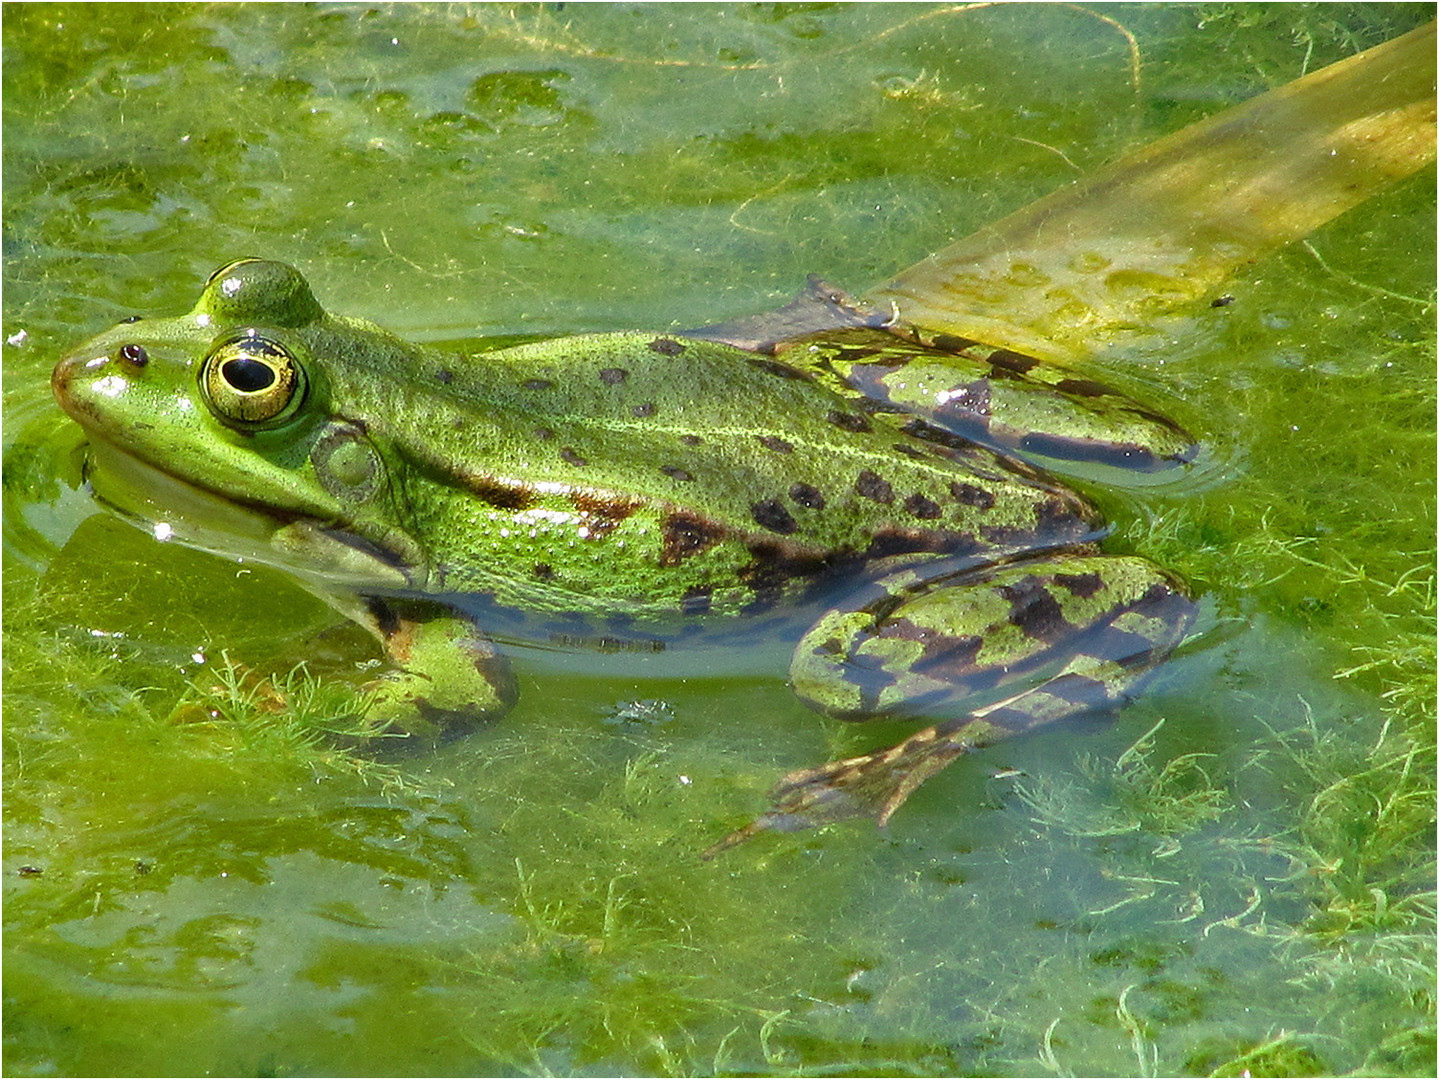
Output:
(1234, 873)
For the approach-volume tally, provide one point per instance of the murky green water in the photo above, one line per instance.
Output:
(1236, 874)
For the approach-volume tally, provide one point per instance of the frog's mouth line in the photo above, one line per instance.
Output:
(173, 509)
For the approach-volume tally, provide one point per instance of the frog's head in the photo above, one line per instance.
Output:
(221, 418)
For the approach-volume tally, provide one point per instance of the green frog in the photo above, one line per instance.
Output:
(825, 459)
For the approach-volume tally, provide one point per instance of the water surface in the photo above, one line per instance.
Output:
(1236, 873)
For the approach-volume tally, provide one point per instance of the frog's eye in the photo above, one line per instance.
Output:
(252, 382)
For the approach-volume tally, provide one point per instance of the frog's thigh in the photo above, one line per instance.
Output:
(1025, 644)
(448, 678)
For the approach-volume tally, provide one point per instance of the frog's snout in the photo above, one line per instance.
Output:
(91, 371)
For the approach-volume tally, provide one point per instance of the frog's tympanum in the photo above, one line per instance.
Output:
(824, 457)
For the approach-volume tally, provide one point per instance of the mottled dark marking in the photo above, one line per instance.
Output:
(772, 515)
(775, 443)
(972, 398)
(613, 376)
(807, 495)
(696, 600)
(853, 354)
(1034, 611)
(685, 536)
(1082, 388)
(1081, 585)
(543, 433)
(1012, 361)
(666, 346)
(949, 436)
(602, 513)
(783, 371)
(642, 410)
(1222, 301)
(873, 486)
(1058, 516)
(921, 506)
(950, 660)
(674, 472)
(444, 375)
(501, 495)
(568, 454)
(909, 450)
(387, 620)
(953, 343)
(691, 440)
(538, 384)
(848, 421)
(773, 568)
(543, 572)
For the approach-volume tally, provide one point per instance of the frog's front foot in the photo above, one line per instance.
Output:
(871, 785)
(448, 680)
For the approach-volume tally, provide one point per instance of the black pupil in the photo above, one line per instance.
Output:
(248, 375)
(134, 354)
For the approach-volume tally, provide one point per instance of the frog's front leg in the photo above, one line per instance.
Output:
(994, 654)
(448, 677)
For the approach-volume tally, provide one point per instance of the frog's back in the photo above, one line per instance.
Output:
(665, 472)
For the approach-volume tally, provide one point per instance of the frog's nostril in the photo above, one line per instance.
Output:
(134, 355)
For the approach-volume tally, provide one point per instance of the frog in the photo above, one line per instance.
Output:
(891, 491)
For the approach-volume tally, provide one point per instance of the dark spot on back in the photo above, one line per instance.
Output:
(569, 455)
(970, 495)
(691, 440)
(772, 515)
(775, 443)
(543, 433)
(807, 495)
(1082, 388)
(953, 343)
(543, 572)
(873, 486)
(538, 384)
(1012, 361)
(922, 507)
(848, 421)
(782, 371)
(674, 472)
(646, 409)
(612, 376)
(909, 450)
(666, 346)
(444, 375)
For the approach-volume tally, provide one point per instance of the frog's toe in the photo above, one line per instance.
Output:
(871, 785)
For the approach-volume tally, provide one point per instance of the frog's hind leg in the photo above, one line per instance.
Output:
(1028, 644)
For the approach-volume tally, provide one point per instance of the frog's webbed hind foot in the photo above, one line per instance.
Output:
(871, 785)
